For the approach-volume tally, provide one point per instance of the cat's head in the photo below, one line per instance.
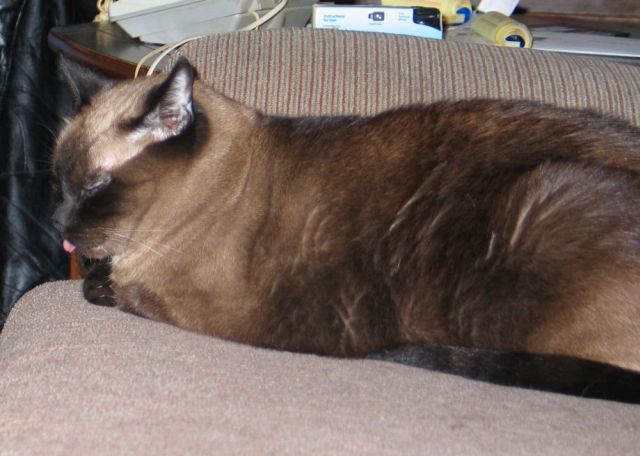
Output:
(105, 155)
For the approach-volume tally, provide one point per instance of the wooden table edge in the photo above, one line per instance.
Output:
(110, 66)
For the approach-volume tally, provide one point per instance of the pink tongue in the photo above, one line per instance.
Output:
(68, 246)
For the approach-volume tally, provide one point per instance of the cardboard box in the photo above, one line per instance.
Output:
(422, 22)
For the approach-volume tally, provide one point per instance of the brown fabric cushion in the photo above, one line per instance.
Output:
(80, 379)
(300, 72)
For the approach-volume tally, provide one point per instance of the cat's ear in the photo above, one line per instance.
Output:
(83, 82)
(170, 105)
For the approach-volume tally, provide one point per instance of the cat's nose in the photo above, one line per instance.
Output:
(57, 224)
(59, 218)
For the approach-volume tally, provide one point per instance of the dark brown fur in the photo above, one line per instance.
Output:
(506, 225)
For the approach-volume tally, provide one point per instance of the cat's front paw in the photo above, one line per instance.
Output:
(97, 285)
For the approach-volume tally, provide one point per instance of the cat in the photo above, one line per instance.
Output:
(480, 237)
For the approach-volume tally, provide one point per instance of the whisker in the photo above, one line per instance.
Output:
(132, 230)
(140, 243)
(149, 245)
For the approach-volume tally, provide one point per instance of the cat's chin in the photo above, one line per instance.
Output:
(90, 253)
(96, 253)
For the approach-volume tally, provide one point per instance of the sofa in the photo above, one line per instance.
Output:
(82, 379)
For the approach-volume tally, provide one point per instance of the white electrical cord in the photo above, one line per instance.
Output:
(170, 47)
(163, 51)
(270, 15)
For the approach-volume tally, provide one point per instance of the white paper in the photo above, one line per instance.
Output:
(566, 40)
(505, 7)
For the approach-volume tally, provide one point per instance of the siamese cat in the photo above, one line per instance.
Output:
(499, 240)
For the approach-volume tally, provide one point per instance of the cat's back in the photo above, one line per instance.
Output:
(510, 131)
(475, 132)
(476, 219)
(522, 233)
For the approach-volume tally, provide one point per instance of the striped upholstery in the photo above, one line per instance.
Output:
(306, 71)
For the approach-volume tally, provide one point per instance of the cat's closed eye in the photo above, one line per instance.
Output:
(96, 184)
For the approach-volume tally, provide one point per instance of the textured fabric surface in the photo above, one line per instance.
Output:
(298, 72)
(80, 379)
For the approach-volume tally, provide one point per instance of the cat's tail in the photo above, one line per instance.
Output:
(560, 374)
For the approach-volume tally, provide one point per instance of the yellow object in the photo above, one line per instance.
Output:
(453, 11)
(103, 11)
(502, 30)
